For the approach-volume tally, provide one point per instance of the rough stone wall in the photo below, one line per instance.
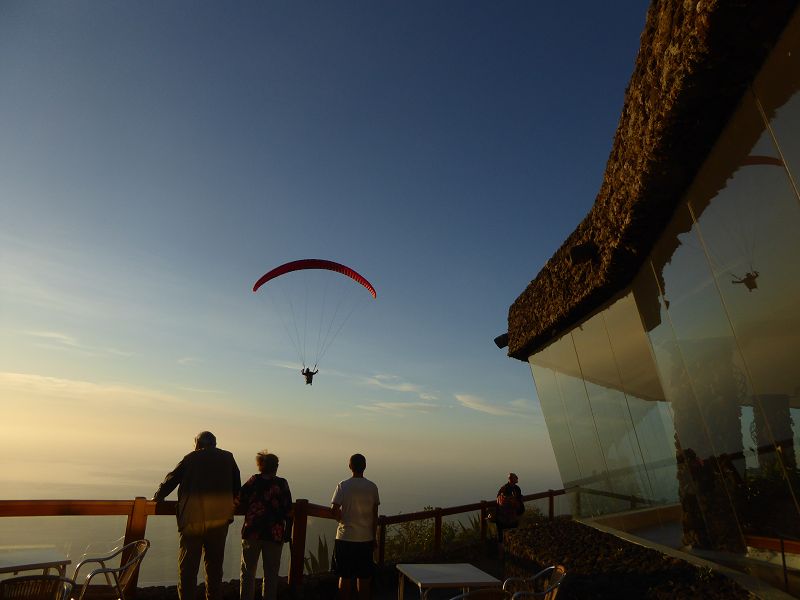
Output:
(695, 62)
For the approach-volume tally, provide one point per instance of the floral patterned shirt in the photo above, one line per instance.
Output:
(267, 504)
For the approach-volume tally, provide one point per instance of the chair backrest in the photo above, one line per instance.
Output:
(36, 587)
(132, 556)
(556, 578)
(118, 578)
(542, 586)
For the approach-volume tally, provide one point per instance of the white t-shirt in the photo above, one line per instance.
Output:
(358, 498)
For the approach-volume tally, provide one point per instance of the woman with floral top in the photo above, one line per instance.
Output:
(267, 504)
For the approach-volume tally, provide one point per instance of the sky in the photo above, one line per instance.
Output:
(157, 158)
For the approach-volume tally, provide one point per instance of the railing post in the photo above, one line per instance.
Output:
(551, 509)
(578, 512)
(484, 517)
(381, 540)
(298, 547)
(437, 532)
(135, 530)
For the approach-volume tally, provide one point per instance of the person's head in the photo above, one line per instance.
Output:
(512, 478)
(205, 439)
(267, 463)
(358, 464)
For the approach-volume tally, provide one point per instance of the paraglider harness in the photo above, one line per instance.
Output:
(309, 374)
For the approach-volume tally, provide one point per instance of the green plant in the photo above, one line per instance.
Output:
(415, 538)
(321, 562)
(532, 514)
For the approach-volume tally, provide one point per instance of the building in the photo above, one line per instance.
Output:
(664, 335)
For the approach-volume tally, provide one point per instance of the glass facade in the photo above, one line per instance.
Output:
(685, 390)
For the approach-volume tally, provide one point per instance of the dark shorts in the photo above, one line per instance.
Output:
(353, 559)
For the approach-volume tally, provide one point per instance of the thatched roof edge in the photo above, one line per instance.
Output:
(695, 62)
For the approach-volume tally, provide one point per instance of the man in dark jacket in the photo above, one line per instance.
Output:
(208, 481)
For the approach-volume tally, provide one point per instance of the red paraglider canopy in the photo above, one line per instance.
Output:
(314, 263)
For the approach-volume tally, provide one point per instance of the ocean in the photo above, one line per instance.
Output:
(86, 536)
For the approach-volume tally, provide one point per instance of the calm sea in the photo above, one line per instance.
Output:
(79, 537)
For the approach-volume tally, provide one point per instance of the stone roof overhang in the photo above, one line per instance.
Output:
(695, 62)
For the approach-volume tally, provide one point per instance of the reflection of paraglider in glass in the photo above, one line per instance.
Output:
(313, 300)
(744, 221)
(749, 280)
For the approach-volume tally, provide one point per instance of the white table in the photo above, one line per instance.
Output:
(429, 576)
(14, 560)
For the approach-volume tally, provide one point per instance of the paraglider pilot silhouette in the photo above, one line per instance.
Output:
(309, 375)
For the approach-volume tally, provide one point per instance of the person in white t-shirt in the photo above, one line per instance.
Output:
(355, 505)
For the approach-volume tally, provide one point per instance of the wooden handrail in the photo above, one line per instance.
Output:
(138, 509)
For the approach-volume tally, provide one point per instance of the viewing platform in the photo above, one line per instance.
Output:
(610, 562)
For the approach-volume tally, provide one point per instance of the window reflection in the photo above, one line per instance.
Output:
(687, 389)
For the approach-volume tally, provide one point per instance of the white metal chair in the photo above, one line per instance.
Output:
(117, 578)
(544, 585)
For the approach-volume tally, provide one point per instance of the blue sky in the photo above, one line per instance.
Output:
(157, 158)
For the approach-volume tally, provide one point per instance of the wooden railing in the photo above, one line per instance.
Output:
(138, 509)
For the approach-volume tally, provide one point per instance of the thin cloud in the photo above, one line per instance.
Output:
(70, 389)
(399, 408)
(62, 341)
(282, 364)
(396, 384)
(194, 390)
(188, 361)
(515, 408)
(54, 336)
(59, 392)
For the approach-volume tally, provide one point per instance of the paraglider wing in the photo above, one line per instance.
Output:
(315, 263)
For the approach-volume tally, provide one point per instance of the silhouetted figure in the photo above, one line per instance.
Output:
(749, 280)
(266, 502)
(208, 481)
(309, 375)
(355, 505)
(509, 509)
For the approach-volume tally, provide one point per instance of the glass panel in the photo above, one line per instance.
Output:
(625, 469)
(748, 229)
(560, 357)
(160, 566)
(555, 417)
(320, 536)
(654, 433)
(75, 537)
(461, 530)
(410, 540)
(697, 355)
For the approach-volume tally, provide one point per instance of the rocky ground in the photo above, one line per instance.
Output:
(601, 565)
